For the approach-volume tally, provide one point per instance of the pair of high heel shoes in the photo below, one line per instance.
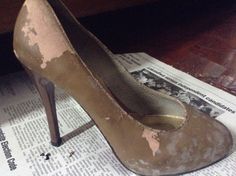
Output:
(150, 133)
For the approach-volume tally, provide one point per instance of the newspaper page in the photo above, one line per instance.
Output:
(25, 148)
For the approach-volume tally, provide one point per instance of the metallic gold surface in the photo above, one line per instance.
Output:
(151, 133)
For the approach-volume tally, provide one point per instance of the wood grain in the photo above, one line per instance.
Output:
(197, 37)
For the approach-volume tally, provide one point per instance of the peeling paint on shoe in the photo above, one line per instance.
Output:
(38, 27)
(152, 139)
(158, 144)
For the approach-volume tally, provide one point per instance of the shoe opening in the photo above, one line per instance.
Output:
(133, 97)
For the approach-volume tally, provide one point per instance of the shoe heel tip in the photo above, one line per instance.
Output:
(56, 143)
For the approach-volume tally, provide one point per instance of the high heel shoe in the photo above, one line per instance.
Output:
(151, 134)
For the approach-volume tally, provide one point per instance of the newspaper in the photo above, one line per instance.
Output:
(24, 136)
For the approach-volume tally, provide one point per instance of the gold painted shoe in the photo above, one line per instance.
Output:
(150, 133)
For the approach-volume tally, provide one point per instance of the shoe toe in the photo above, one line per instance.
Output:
(201, 141)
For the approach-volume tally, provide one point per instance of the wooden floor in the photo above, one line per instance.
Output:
(198, 37)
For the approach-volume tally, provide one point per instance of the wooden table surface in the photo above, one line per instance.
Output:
(195, 36)
(198, 37)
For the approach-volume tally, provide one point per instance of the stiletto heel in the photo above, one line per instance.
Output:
(47, 94)
(150, 133)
